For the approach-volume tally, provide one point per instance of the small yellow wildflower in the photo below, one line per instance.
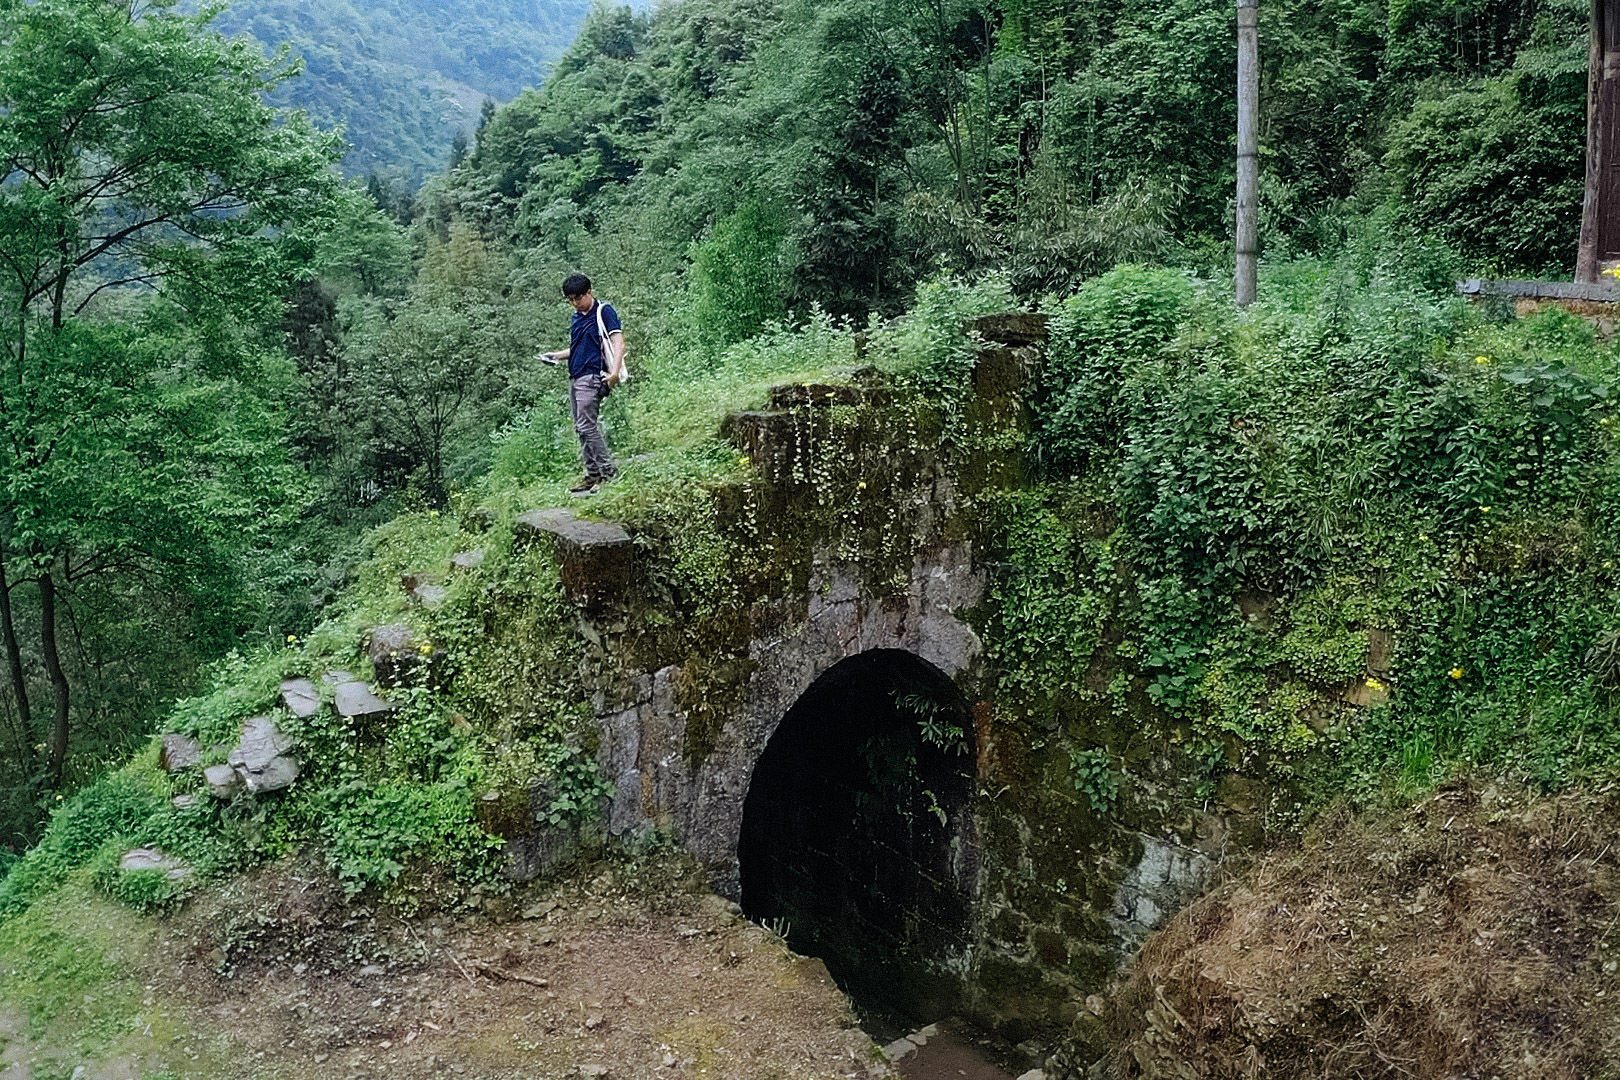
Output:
(1613, 271)
(1455, 673)
(1374, 684)
(291, 638)
(1484, 509)
(1482, 359)
(427, 648)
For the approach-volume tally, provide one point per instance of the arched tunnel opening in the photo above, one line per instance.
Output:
(857, 837)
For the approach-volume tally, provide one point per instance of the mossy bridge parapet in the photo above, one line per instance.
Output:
(937, 853)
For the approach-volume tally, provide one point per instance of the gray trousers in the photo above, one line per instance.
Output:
(585, 396)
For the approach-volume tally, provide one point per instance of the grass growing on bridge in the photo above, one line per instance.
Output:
(400, 808)
(1362, 535)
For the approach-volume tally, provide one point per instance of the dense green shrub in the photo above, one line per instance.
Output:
(115, 806)
(1338, 463)
(1104, 342)
(1492, 167)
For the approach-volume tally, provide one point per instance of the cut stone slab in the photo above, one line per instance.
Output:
(152, 859)
(223, 781)
(596, 558)
(396, 656)
(301, 697)
(757, 432)
(563, 525)
(278, 774)
(381, 641)
(356, 699)
(1014, 328)
(899, 1049)
(336, 678)
(468, 560)
(261, 743)
(429, 595)
(812, 395)
(260, 757)
(180, 752)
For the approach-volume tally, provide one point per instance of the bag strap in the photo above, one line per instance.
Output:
(607, 349)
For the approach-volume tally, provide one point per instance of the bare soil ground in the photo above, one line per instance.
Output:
(1475, 934)
(600, 977)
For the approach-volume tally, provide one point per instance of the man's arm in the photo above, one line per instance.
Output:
(555, 357)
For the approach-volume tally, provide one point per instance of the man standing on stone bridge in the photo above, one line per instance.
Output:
(595, 356)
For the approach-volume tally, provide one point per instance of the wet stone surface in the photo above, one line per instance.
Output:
(356, 699)
(301, 697)
(180, 752)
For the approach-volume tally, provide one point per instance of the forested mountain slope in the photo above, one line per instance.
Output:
(717, 165)
(1348, 549)
(791, 153)
(403, 76)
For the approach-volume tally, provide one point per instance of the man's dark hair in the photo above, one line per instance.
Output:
(576, 285)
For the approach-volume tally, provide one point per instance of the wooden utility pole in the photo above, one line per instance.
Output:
(1600, 208)
(1248, 140)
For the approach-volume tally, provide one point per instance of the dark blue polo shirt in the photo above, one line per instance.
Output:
(585, 344)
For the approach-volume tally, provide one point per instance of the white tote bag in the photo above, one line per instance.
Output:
(607, 352)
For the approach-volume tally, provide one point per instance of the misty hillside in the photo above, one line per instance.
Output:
(403, 76)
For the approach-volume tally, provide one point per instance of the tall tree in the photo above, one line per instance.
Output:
(1248, 149)
(1600, 207)
(139, 161)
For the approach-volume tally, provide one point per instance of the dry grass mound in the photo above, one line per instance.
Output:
(1476, 934)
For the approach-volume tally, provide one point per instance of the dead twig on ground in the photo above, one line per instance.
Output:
(502, 973)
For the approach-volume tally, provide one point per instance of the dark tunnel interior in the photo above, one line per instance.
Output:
(857, 836)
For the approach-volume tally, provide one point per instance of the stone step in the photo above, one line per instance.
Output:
(1013, 328)
(821, 395)
(596, 558)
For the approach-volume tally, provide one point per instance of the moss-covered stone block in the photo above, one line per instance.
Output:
(596, 559)
(1091, 964)
(1051, 948)
(1013, 328)
(1008, 929)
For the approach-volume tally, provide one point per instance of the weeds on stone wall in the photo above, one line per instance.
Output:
(403, 806)
(1361, 526)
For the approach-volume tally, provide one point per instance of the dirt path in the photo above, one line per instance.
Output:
(598, 981)
(940, 1052)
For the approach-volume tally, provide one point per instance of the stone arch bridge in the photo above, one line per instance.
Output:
(827, 744)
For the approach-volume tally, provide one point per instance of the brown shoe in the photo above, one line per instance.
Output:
(586, 486)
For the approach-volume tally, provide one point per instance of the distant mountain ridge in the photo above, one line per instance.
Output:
(403, 76)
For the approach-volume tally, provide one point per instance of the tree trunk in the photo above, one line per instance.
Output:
(19, 681)
(1248, 140)
(59, 683)
(1587, 256)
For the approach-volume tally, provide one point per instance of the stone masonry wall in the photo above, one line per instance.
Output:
(687, 707)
